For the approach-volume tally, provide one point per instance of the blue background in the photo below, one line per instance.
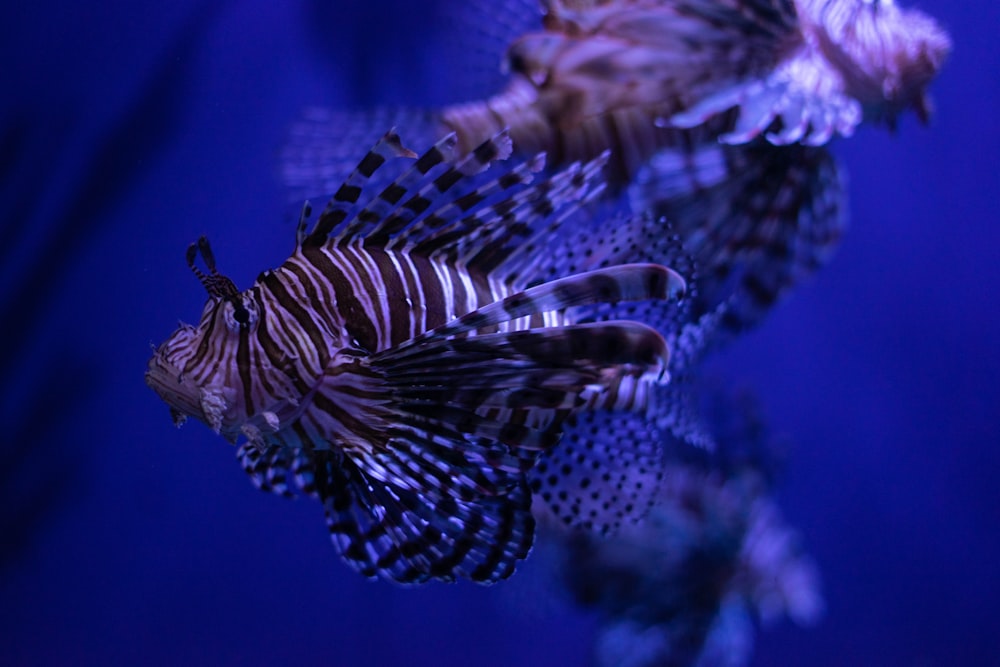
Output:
(128, 129)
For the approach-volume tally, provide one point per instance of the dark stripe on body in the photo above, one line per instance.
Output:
(207, 337)
(303, 317)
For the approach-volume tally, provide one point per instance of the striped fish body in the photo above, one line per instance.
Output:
(408, 363)
(318, 317)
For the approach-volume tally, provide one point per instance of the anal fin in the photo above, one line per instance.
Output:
(269, 470)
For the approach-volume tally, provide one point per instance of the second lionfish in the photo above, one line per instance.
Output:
(418, 352)
(716, 113)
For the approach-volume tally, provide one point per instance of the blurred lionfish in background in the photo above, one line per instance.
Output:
(422, 347)
(715, 112)
(713, 558)
(687, 585)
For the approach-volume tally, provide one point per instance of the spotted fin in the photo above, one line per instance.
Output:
(606, 469)
(755, 218)
(604, 473)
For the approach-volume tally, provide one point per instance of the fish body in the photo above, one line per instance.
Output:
(414, 356)
(601, 75)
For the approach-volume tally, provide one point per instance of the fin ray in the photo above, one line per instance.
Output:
(399, 535)
(631, 282)
(347, 195)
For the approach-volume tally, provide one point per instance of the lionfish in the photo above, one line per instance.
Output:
(715, 112)
(421, 348)
(713, 558)
(687, 586)
(606, 73)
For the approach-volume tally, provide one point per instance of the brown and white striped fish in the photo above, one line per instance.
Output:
(418, 351)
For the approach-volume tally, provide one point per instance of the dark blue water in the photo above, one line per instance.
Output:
(129, 129)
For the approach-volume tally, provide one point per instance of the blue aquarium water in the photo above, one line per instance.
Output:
(126, 132)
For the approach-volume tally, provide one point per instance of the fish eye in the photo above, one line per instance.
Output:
(240, 313)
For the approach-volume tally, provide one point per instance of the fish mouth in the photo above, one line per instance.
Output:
(182, 395)
(213, 404)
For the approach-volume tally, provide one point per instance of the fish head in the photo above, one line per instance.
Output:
(215, 371)
(199, 370)
(887, 55)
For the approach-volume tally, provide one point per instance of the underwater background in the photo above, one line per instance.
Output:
(127, 130)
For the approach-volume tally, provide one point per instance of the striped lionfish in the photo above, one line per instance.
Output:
(715, 112)
(418, 351)
(714, 562)
(709, 565)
